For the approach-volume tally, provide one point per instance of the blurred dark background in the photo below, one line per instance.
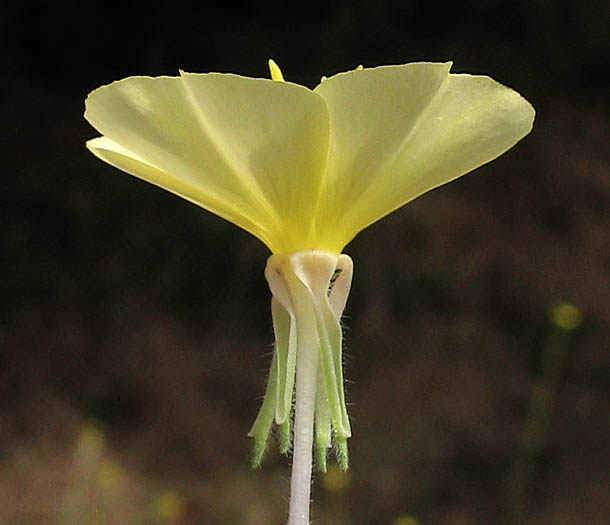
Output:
(135, 331)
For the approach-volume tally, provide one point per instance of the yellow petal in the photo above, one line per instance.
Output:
(277, 133)
(127, 161)
(463, 122)
(473, 120)
(256, 145)
(372, 112)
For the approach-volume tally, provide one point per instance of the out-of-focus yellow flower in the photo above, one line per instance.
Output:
(170, 505)
(90, 442)
(110, 476)
(305, 171)
(405, 520)
(299, 168)
(565, 315)
(335, 480)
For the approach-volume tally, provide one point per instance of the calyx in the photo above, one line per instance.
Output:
(309, 293)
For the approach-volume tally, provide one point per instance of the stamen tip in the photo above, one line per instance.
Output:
(275, 71)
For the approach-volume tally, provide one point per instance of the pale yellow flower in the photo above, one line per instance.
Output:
(305, 171)
(299, 168)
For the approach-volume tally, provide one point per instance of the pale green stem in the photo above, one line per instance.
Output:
(307, 367)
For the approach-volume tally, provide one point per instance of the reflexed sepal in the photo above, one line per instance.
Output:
(342, 452)
(322, 424)
(284, 431)
(262, 425)
(277, 403)
(305, 283)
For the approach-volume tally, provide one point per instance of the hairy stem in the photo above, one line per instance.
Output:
(306, 378)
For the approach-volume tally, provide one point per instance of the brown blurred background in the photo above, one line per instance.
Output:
(135, 331)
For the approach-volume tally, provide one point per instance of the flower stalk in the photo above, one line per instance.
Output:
(305, 401)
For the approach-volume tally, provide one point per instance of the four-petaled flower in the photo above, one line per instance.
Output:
(305, 171)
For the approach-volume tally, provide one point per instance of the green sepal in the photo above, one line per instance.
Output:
(329, 330)
(321, 457)
(284, 433)
(284, 328)
(262, 424)
(322, 423)
(342, 452)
